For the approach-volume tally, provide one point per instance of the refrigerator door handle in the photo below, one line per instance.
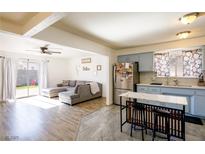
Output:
(115, 74)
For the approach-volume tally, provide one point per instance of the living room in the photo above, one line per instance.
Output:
(69, 59)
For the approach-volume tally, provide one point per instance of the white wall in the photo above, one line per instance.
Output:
(56, 66)
(76, 73)
(57, 71)
(1, 79)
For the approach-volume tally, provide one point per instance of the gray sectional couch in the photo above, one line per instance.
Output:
(73, 92)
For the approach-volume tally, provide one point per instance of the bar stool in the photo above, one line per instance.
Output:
(140, 108)
(164, 114)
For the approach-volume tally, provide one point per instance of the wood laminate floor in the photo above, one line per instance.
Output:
(42, 119)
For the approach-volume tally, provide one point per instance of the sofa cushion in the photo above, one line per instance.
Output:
(65, 82)
(72, 83)
(80, 82)
(70, 88)
(77, 88)
(67, 95)
(54, 90)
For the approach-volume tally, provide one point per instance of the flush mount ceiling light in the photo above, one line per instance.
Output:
(189, 18)
(183, 35)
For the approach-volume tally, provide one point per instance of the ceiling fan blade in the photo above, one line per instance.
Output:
(33, 50)
(54, 52)
(49, 53)
(55, 48)
(46, 45)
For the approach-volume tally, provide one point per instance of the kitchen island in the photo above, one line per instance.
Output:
(152, 102)
(195, 96)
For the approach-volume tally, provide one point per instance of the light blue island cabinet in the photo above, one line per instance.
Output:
(195, 96)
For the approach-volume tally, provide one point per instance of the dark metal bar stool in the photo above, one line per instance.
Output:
(164, 114)
(138, 107)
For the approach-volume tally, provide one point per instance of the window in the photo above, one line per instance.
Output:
(192, 62)
(178, 63)
(27, 78)
(161, 64)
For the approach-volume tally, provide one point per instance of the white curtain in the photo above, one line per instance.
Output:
(9, 79)
(1, 79)
(43, 75)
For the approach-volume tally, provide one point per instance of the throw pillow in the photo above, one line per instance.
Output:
(65, 82)
(72, 83)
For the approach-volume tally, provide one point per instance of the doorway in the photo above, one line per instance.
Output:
(27, 78)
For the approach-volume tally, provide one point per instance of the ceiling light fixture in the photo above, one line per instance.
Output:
(183, 35)
(189, 18)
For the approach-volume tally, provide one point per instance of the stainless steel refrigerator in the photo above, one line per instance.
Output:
(125, 78)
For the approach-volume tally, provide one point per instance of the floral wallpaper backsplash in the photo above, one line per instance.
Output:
(161, 64)
(192, 63)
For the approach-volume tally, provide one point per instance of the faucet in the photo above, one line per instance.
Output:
(167, 80)
(175, 81)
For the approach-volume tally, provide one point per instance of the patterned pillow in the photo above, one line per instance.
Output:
(72, 83)
(65, 82)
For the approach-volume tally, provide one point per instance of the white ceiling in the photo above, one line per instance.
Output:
(122, 30)
(19, 44)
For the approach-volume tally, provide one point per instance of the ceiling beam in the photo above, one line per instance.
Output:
(40, 22)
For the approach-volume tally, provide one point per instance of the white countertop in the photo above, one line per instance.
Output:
(170, 86)
(156, 97)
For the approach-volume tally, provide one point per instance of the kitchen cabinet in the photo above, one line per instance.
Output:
(188, 93)
(151, 90)
(146, 62)
(142, 89)
(154, 90)
(199, 103)
(128, 58)
(178, 91)
(122, 59)
(134, 58)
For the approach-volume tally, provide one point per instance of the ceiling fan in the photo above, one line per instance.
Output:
(46, 50)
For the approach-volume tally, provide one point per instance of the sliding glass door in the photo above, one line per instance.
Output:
(27, 78)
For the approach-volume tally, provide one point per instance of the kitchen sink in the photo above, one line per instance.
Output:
(154, 83)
